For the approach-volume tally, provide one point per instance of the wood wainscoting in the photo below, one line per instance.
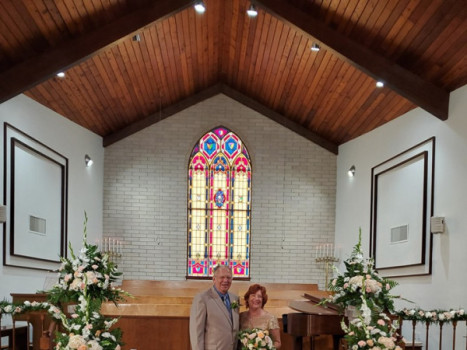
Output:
(157, 317)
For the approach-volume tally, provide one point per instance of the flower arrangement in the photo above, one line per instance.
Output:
(255, 339)
(380, 335)
(361, 284)
(84, 283)
(433, 316)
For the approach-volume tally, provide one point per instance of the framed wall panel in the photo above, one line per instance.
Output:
(401, 208)
(35, 194)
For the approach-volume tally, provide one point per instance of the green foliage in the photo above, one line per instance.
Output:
(360, 282)
(85, 281)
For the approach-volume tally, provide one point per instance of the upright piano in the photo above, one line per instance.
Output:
(312, 320)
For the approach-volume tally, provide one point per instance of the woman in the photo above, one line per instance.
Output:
(257, 317)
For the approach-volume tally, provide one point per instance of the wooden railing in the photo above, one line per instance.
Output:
(437, 328)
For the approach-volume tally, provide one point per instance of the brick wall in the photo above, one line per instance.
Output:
(293, 194)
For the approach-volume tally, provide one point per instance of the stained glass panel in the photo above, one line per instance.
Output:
(219, 205)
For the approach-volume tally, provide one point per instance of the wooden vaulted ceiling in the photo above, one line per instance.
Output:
(115, 85)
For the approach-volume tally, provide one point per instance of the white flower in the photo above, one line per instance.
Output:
(8, 308)
(76, 341)
(388, 343)
(76, 284)
(356, 280)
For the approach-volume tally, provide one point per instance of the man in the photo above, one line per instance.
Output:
(213, 321)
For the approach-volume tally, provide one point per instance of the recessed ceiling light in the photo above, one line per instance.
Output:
(379, 84)
(200, 7)
(315, 47)
(61, 74)
(252, 11)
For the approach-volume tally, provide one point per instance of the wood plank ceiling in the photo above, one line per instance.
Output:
(115, 85)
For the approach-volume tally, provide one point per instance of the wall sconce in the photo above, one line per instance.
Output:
(88, 160)
(351, 171)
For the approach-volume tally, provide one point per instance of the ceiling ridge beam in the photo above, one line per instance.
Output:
(219, 88)
(278, 118)
(37, 69)
(162, 114)
(407, 84)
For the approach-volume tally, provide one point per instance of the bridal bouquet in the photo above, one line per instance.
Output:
(255, 339)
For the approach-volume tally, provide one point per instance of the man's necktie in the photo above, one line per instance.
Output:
(226, 300)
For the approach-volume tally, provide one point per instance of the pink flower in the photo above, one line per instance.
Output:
(94, 267)
(361, 343)
(381, 322)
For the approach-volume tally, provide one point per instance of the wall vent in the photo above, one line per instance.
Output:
(37, 225)
(399, 234)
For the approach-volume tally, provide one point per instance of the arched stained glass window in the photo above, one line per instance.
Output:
(219, 205)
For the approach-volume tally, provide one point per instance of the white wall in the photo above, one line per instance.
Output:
(293, 194)
(445, 287)
(85, 185)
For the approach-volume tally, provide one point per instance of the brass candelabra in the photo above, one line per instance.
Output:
(328, 262)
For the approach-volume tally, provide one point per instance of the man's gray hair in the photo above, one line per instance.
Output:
(219, 266)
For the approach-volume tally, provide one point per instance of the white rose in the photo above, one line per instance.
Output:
(386, 342)
(356, 280)
(76, 284)
(76, 341)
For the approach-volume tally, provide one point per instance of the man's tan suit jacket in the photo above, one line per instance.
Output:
(210, 325)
